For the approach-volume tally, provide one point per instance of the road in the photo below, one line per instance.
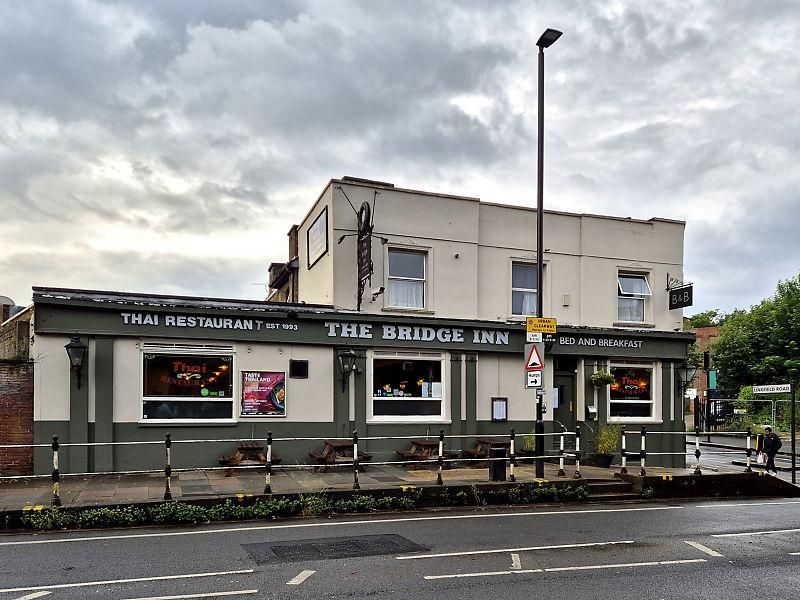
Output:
(737, 549)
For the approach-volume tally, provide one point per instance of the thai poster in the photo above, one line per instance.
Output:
(263, 394)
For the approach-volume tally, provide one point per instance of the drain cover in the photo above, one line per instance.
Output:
(330, 548)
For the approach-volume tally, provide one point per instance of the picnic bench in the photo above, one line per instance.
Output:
(247, 453)
(424, 449)
(336, 452)
(482, 446)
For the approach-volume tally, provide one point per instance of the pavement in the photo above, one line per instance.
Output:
(106, 490)
(642, 551)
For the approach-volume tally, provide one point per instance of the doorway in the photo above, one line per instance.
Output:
(564, 399)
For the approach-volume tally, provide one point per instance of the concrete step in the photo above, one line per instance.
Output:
(609, 487)
(614, 497)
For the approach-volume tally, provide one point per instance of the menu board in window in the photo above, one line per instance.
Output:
(317, 238)
(263, 394)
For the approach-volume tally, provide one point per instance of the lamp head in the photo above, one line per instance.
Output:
(548, 38)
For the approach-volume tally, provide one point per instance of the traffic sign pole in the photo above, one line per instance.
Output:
(794, 434)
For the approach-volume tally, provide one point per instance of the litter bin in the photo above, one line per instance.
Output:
(497, 468)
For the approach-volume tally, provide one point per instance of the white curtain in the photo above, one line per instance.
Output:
(406, 293)
(630, 309)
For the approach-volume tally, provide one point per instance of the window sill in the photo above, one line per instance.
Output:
(407, 309)
(406, 421)
(634, 325)
(635, 421)
(186, 423)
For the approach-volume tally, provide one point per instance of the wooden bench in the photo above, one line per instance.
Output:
(247, 453)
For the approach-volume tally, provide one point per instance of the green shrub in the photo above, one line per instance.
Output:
(648, 493)
(607, 439)
(178, 513)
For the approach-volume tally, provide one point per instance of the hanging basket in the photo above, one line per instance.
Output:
(601, 378)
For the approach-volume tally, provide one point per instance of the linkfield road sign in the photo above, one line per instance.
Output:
(533, 379)
(779, 388)
(540, 324)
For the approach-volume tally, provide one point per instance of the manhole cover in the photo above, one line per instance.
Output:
(330, 548)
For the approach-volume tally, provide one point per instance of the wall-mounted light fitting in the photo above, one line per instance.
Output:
(76, 351)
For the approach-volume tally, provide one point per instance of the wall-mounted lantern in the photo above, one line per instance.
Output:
(686, 373)
(347, 362)
(76, 351)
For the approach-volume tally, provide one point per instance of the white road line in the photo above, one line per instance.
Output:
(577, 568)
(654, 563)
(767, 503)
(301, 577)
(504, 550)
(360, 522)
(794, 553)
(61, 586)
(33, 595)
(702, 548)
(208, 595)
(484, 574)
(746, 533)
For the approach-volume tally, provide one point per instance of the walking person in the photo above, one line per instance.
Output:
(772, 443)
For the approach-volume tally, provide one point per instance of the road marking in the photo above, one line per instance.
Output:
(746, 533)
(578, 568)
(34, 595)
(61, 586)
(361, 522)
(654, 563)
(702, 548)
(504, 550)
(301, 577)
(794, 553)
(484, 574)
(725, 505)
(515, 563)
(208, 595)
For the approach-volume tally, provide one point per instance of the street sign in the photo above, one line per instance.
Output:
(534, 353)
(779, 388)
(533, 379)
(681, 297)
(533, 337)
(740, 411)
(540, 324)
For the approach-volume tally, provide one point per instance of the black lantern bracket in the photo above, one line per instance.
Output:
(76, 352)
(347, 363)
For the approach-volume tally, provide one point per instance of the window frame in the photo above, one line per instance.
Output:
(391, 353)
(196, 350)
(656, 393)
(513, 289)
(426, 254)
(640, 297)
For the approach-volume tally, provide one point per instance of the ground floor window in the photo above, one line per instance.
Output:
(631, 394)
(407, 385)
(187, 386)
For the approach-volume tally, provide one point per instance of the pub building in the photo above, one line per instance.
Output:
(398, 312)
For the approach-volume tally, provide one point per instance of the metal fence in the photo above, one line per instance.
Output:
(354, 464)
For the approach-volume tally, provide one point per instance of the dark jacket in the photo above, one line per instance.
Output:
(772, 443)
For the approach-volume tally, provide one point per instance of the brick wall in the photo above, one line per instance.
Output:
(16, 416)
(14, 340)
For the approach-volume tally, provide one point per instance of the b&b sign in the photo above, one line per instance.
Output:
(680, 297)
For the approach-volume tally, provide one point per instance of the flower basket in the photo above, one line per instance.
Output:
(601, 378)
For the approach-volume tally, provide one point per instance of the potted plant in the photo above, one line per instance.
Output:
(601, 378)
(605, 444)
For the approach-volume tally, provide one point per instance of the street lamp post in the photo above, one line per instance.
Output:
(545, 41)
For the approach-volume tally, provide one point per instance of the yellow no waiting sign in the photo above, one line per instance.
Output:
(540, 325)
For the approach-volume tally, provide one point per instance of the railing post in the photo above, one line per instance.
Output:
(512, 461)
(439, 480)
(168, 467)
(748, 451)
(643, 452)
(355, 460)
(623, 454)
(561, 472)
(697, 470)
(268, 482)
(56, 497)
(577, 452)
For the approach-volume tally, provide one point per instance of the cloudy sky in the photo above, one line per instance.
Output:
(168, 146)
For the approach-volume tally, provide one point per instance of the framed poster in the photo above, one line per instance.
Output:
(263, 394)
(317, 238)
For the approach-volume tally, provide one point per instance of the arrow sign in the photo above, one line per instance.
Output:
(534, 361)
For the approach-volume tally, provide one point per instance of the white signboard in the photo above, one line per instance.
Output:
(533, 337)
(533, 379)
(779, 388)
(317, 238)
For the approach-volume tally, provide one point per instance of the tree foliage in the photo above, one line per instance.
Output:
(707, 318)
(760, 346)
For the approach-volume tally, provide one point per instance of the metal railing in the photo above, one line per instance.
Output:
(441, 459)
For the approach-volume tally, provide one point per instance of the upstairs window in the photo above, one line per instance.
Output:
(633, 292)
(524, 288)
(406, 278)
